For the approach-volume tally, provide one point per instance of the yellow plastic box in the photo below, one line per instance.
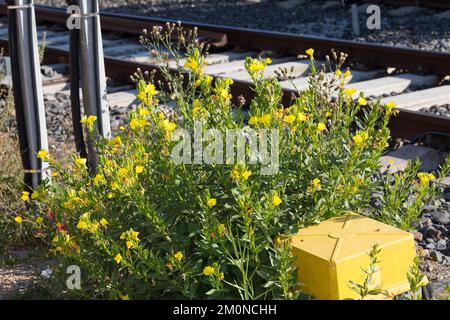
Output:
(333, 253)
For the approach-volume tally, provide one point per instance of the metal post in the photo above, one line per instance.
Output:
(93, 77)
(74, 58)
(27, 85)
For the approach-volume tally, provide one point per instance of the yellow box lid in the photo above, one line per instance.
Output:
(344, 237)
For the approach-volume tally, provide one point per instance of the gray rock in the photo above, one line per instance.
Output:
(431, 246)
(434, 233)
(440, 217)
(436, 256)
(447, 194)
(418, 236)
(441, 245)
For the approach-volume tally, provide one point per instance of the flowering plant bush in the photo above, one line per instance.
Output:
(142, 225)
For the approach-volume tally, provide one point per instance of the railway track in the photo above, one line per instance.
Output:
(411, 78)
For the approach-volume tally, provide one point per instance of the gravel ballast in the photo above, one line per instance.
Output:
(414, 27)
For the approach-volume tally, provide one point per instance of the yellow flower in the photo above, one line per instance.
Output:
(55, 174)
(110, 195)
(168, 126)
(179, 255)
(42, 154)
(256, 66)
(150, 89)
(81, 225)
(124, 297)
(321, 127)
(246, 174)
(25, 196)
(80, 162)
(425, 178)
(114, 186)
(143, 112)
(338, 73)
(276, 200)
(208, 271)
(18, 220)
(314, 185)
(328, 114)
(310, 52)
(104, 222)
(98, 179)
(212, 202)
(35, 195)
(39, 220)
(253, 121)
(191, 63)
(139, 169)
(360, 138)
(301, 117)
(118, 258)
(362, 101)
(122, 173)
(350, 92)
(234, 173)
(390, 105)
(221, 229)
(289, 119)
(134, 124)
(347, 74)
(265, 119)
(88, 121)
(129, 244)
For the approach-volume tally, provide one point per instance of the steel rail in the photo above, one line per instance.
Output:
(406, 124)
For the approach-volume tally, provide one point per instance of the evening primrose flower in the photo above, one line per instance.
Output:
(18, 220)
(114, 186)
(124, 297)
(301, 117)
(338, 73)
(314, 185)
(191, 63)
(221, 229)
(25, 196)
(246, 174)
(425, 178)
(321, 127)
(362, 101)
(360, 138)
(276, 200)
(253, 120)
(42, 154)
(265, 119)
(35, 195)
(122, 173)
(80, 162)
(139, 169)
(39, 220)
(118, 258)
(256, 66)
(81, 225)
(310, 52)
(88, 121)
(98, 179)
(347, 74)
(212, 202)
(349, 92)
(208, 271)
(289, 119)
(179, 255)
(104, 222)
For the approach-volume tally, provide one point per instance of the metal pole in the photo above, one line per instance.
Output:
(93, 77)
(27, 84)
(74, 58)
